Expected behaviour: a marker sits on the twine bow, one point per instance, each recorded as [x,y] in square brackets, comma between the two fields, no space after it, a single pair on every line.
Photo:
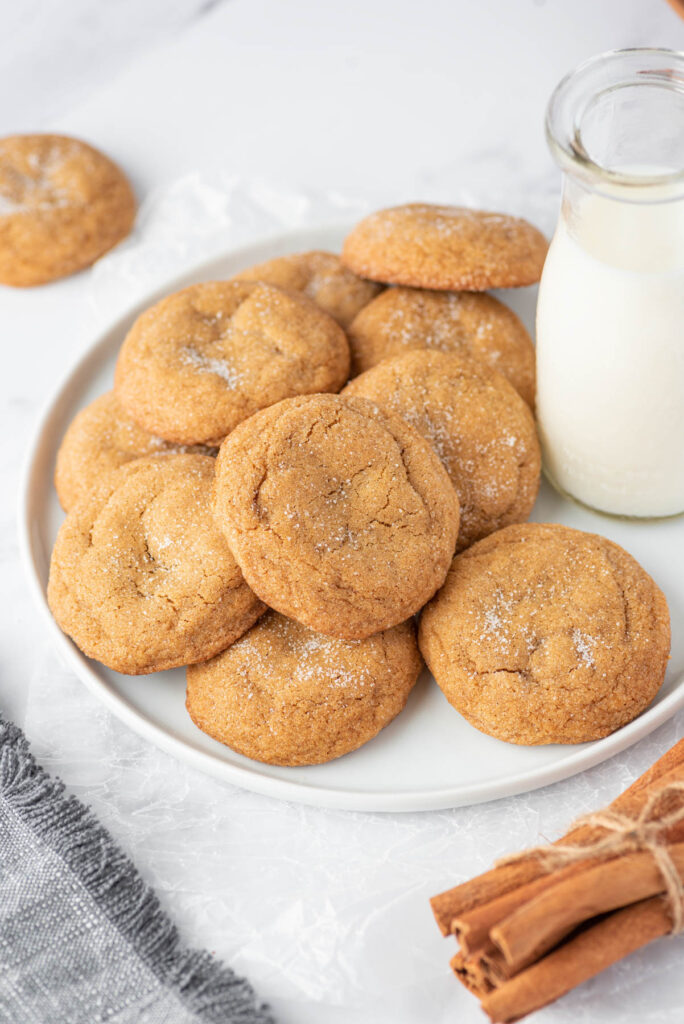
[641,833]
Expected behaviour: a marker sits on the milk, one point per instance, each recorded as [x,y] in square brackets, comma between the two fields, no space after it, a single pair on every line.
[610,353]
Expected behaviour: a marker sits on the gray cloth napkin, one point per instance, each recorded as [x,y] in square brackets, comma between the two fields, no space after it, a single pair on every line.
[83,940]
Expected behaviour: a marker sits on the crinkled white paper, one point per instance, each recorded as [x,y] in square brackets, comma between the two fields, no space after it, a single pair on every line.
[326,911]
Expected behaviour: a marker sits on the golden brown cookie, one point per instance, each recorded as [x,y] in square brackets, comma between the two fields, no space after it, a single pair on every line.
[322,277]
[403,319]
[100,440]
[63,204]
[286,695]
[200,361]
[543,634]
[451,248]
[476,422]
[141,578]
[340,515]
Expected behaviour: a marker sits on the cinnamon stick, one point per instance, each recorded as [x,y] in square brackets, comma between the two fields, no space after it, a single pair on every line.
[472,928]
[539,925]
[578,959]
[470,975]
[483,968]
[493,884]
[492,965]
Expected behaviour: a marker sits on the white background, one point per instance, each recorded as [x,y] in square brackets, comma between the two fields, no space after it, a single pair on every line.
[326,911]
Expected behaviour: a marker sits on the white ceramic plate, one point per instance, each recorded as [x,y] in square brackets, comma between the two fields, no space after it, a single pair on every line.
[429,757]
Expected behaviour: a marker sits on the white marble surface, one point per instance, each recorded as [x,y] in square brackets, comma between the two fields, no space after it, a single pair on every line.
[326,911]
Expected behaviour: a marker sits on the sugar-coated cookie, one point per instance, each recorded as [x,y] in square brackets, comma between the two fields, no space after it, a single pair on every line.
[286,695]
[480,427]
[466,323]
[98,441]
[200,361]
[141,578]
[62,205]
[544,634]
[450,248]
[322,277]
[340,515]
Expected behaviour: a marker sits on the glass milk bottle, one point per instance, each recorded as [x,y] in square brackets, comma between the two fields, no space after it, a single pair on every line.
[610,317]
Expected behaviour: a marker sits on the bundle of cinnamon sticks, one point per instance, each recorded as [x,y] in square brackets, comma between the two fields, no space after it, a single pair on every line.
[542,922]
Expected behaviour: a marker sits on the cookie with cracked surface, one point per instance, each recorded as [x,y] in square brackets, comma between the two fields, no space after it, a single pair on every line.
[340,515]
[469,324]
[477,424]
[98,441]
[63,204]
[141,578]
[449,248]
[202,360]
[544,634]
[285,695]
[322,277]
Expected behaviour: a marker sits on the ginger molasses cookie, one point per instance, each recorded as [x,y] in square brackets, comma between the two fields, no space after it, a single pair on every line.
[340,515]
[469,324]
[141,578]
[286,695]
[62,205]
[476,422]
[200,361]
[99,440]
[451,248]
[322,277]
[543,634]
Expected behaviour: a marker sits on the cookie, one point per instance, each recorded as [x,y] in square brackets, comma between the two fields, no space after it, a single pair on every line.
[476,422]
[322,277]
[403,319]
[450,248]
[100,440]
[543,634]
[141,578]
[340,515]
[286,695]
[63,204]
[200,361]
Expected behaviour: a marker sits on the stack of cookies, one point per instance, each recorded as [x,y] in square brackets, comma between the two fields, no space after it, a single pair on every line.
[239,505]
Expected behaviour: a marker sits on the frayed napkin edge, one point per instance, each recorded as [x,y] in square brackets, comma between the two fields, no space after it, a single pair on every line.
[206,987]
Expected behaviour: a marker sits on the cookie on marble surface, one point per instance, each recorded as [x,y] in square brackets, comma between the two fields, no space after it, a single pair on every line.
[340,515]
[480,427]
[141,578]
[469,324]
[286,695]
[98,441]
[322,277]
[450,248]
[544,634]
[202,360]
[63,204]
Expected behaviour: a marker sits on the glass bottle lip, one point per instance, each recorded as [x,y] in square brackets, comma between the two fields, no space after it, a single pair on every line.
[601,74]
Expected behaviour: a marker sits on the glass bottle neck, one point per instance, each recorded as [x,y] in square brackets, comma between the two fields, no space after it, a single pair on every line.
[617,123]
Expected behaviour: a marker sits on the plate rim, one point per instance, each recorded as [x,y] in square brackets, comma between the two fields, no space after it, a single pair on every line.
[581,757]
